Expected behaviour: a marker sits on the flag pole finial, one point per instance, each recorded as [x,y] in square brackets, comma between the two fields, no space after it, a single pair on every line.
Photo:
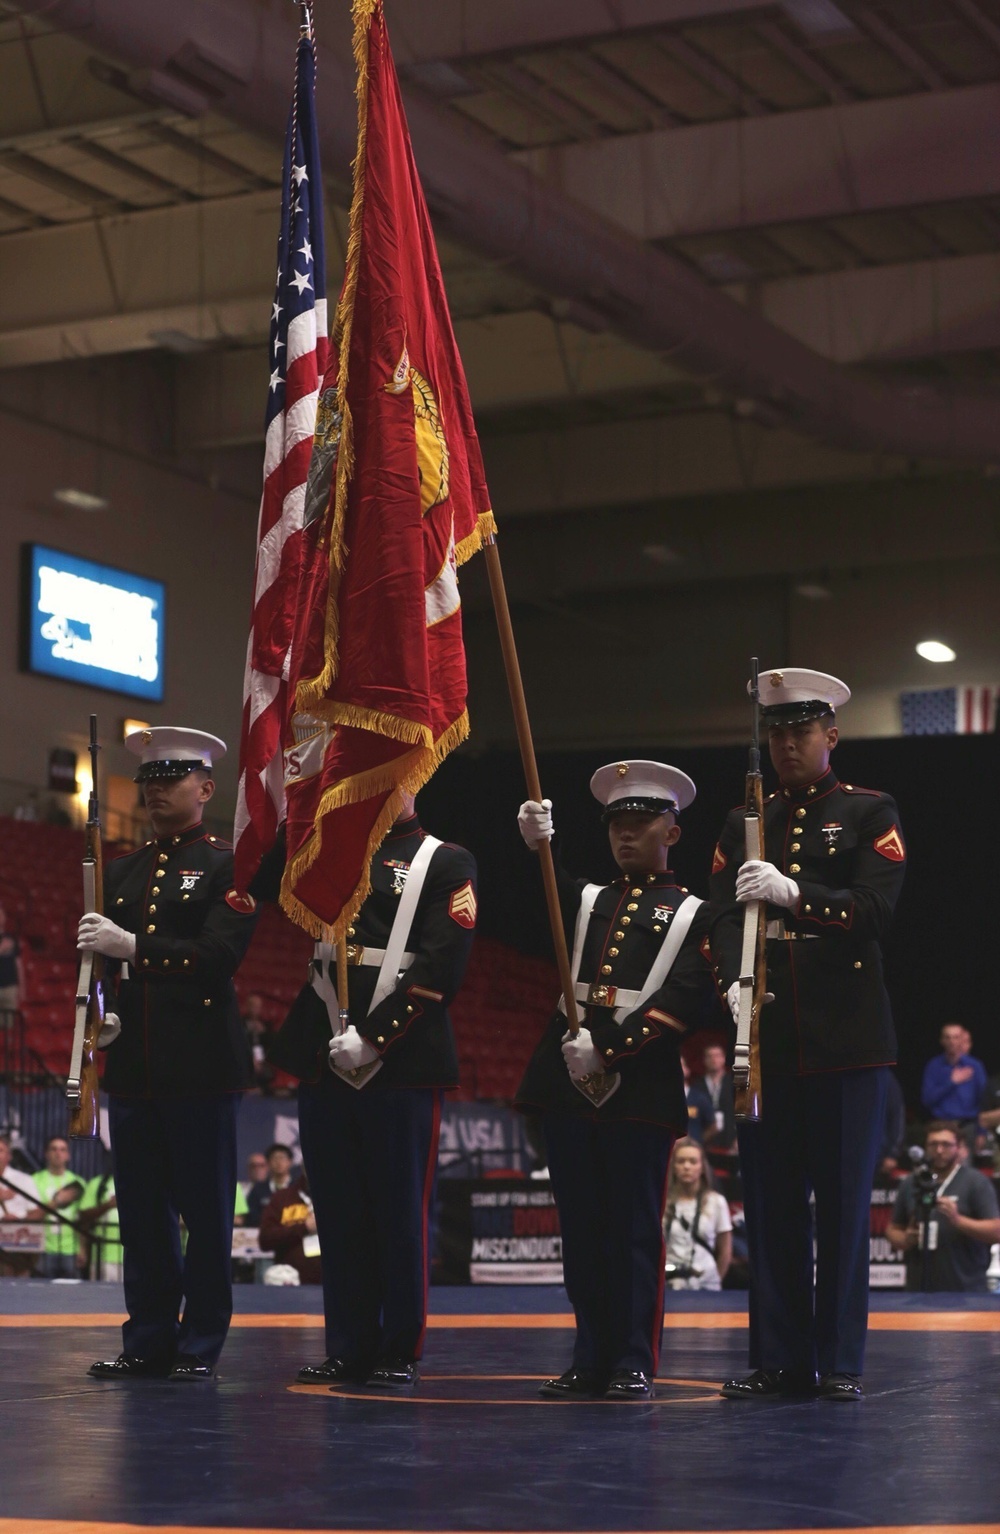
[305,18]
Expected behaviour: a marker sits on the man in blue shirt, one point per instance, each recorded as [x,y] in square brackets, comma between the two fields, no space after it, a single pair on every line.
[954,1080]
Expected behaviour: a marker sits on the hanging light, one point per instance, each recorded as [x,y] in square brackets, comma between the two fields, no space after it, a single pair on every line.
[935,650]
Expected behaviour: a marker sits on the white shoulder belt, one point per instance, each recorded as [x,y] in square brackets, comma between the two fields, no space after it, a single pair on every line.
[393,960]
[625,1001]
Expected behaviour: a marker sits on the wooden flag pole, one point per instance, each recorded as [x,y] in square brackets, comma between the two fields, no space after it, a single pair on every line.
[523,726]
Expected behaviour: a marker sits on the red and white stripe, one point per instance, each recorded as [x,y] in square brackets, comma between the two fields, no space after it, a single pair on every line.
[260,804]
[975,710]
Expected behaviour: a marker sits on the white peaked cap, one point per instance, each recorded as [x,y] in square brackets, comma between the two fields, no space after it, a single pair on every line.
[794,693]
[643,786]
[169,743]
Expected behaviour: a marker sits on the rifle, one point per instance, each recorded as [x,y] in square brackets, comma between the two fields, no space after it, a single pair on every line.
[81,1083]
[753,959]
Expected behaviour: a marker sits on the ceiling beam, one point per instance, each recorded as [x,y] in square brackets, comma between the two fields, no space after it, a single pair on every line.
[559,245]
[822,163]
[813,532]
[452,29]
[206,271]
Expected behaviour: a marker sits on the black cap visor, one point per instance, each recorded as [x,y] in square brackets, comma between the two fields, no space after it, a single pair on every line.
[784,714]
[649,807]
[169,769]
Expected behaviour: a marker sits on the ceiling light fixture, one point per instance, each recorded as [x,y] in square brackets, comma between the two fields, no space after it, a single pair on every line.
[813,591]
[81,500]
[660,553]
[933,649]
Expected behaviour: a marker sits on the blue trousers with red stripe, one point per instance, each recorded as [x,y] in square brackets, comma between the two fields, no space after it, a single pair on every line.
[609,1182]
[816,1134]
[370,1158]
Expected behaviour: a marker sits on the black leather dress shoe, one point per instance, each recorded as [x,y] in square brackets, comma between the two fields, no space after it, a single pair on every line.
[770,1382]
[330,1371]
[574,1385]
[393,1374]
[629,1385]
[126,1367]
[187,1366]
[841,1387]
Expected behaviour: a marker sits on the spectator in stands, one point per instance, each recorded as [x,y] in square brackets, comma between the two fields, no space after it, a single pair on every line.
[101,1255]
[717,1084]
[11,973]
[259,1038]
[256,1171]
[13,1206]
[288,1229]
[954,1080]
[697,1226]
[701,1114]
[59,1189]
[946,1222]
[279,1177]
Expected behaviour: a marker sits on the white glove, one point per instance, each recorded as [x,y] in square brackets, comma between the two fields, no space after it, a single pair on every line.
[534,821]
[348,1050]
[581,1057]
[112,1028]
[99,935]
[733,998]
[762,881]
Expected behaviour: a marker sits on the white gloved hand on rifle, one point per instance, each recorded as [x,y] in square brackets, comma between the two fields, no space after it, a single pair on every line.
[582,1059]
[733,998]
[762,881]
[96,934]
[110,1029]
[534,821]
[349,1051]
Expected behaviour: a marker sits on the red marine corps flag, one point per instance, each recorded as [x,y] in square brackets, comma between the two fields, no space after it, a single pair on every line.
[396,501]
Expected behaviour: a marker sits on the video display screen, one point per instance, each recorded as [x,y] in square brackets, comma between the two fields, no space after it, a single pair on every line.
[89,623]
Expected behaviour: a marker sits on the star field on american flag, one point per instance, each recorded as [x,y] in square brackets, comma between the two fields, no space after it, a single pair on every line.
[949,711]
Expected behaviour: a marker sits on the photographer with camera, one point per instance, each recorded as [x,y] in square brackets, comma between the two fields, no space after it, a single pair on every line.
[945,1218]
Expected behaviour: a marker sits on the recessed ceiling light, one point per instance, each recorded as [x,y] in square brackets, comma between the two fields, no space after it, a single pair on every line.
[933,649]
[660,553]
[818,18]
[81,500]
[814,591]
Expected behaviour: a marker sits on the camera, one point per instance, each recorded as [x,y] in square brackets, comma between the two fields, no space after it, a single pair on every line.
[925,1186]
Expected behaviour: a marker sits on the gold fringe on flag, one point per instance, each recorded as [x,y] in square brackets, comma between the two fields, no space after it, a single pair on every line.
[406,775]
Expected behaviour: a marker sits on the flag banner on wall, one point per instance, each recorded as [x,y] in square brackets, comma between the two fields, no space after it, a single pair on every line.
[299,353]
[396,501]
[949,711]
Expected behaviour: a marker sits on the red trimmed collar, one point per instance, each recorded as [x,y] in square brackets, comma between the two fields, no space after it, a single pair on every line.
[194,833]
[802,793]
[409,827]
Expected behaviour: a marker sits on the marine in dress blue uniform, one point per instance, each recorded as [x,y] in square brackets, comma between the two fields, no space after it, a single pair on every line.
[176,1071]
[834,868]
[608,1154]
[370,1151]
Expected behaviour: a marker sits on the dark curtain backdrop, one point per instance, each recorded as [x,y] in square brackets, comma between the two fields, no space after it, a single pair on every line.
[942,955]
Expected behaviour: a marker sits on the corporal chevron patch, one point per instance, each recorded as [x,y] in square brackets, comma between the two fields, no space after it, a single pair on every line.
[719,860]
[890,845]
[462,905]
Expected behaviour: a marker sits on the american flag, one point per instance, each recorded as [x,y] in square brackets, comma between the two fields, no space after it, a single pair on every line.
[299,350]
[950,711]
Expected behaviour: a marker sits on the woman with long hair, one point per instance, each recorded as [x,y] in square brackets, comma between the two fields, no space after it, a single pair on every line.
[696,1225]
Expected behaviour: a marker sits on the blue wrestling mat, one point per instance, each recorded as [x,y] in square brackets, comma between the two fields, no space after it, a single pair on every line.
[473,1448]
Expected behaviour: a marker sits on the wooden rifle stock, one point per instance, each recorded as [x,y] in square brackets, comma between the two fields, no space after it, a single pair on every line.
[82,1082]
[753,962]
